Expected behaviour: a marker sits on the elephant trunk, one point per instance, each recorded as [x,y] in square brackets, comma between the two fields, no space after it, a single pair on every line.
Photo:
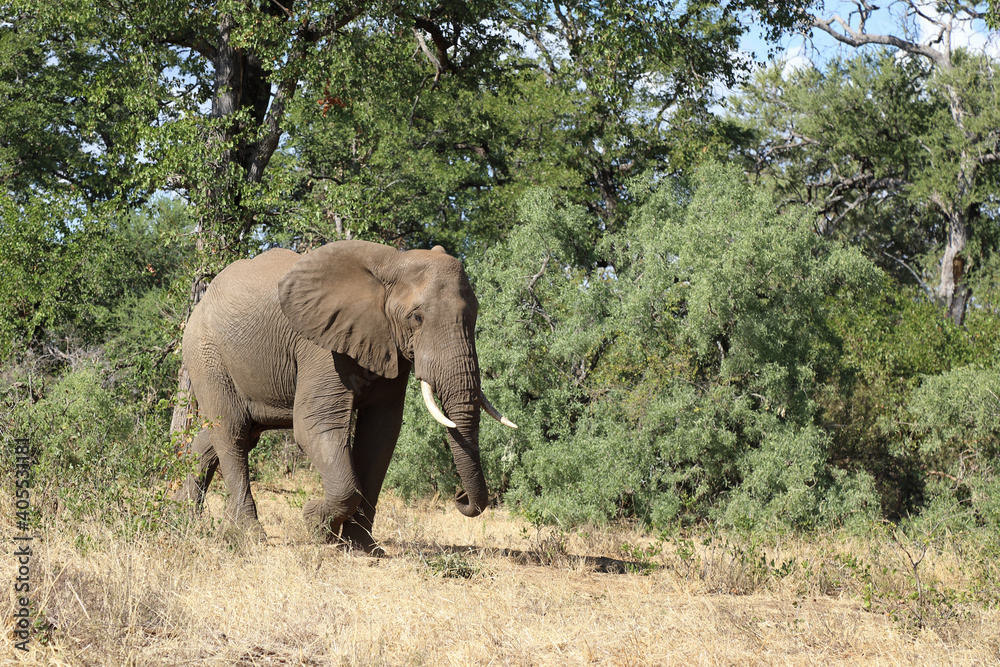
[464,441]
[459,392]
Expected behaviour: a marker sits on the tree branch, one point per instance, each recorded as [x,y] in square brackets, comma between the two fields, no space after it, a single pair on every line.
[314,31]
[928,290]
[430,56]
[266,147]
[441,61]
[858,38]
[188,40]
[536,307]
[989,158]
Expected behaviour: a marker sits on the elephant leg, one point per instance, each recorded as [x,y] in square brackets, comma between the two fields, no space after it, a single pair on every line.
[375,436]
[235,468]
[330,452]
[197,482]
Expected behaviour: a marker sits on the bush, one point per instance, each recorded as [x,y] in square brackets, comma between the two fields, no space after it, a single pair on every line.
[677,380]
[98,453]
[893,346]
[955,418]
[70,275]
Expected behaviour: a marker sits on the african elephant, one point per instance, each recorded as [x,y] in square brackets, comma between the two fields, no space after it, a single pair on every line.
[309,341]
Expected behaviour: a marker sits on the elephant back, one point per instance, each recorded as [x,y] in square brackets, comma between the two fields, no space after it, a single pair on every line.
[237,331]
[246,291]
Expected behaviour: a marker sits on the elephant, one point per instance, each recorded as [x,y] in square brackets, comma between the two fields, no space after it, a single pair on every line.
[323,343]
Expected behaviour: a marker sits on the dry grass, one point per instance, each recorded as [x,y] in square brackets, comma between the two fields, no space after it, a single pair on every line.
[491,590]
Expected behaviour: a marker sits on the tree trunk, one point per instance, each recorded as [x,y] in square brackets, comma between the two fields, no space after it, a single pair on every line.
[240,84]
[953,293]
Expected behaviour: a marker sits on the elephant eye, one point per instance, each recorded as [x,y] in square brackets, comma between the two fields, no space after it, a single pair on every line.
[417,318]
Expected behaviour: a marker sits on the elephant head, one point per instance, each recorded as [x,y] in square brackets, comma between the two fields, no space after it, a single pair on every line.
[381,306]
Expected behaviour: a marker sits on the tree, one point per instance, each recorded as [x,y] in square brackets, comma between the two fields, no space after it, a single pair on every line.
[582,98]
[960,153]
[865,142]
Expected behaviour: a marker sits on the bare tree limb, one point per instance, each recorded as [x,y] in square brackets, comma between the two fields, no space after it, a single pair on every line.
[928,290]
[442,60]
[855,38]
[430,56]
[266,147]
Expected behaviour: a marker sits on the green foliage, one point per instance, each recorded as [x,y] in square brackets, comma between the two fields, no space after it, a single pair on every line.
[872,144]
[76,107]
[880,147]
[88,319]
[68,275]
[677,380]
[961,412]
[992,16]
[577,99]
[403,158]
[892,345]
[956,433]
[98,454]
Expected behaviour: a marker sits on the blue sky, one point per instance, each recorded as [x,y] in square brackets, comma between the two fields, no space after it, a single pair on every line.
[888,20]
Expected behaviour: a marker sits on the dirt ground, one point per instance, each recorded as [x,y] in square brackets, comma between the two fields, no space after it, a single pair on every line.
[456,591]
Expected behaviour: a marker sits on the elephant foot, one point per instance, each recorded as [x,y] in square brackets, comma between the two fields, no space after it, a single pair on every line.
[324,527]
[372,550]
[325,518]
[355,537]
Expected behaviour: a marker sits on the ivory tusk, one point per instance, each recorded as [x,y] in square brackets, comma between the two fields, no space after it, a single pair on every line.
[493,412]
[432,407]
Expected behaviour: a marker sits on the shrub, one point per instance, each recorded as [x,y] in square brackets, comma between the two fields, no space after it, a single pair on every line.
[677,380]
[98,453]
[955,419]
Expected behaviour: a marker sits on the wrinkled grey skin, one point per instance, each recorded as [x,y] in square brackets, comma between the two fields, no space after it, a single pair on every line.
[303,341]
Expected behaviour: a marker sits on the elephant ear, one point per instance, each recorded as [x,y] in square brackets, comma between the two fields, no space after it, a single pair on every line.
[333,298]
